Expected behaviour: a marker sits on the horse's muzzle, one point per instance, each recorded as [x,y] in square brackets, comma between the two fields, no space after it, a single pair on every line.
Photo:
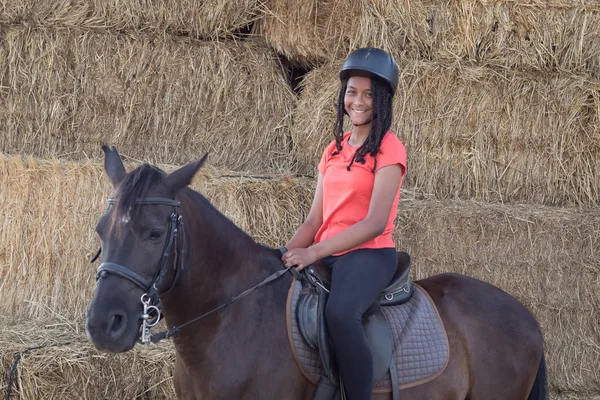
[112,331]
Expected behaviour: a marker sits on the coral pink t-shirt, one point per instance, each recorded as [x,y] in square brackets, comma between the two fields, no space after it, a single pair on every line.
[347,194]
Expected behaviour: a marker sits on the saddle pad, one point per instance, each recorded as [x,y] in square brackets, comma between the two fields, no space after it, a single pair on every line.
[420,341]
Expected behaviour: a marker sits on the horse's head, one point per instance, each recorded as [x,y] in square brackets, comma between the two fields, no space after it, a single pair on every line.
[138,234]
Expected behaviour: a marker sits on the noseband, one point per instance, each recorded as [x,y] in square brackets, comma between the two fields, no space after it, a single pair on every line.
[151,297]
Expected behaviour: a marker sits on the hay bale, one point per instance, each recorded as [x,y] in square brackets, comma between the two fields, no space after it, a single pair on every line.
[477,133]
[547,257]
[67,366]
[196,18]
[538,35]
[47,236]
[70,368]
[50,209]
[573,395]
[77,371]
[158,98]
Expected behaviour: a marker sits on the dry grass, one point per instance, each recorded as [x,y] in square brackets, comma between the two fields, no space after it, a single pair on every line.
[69,367]
[535,35]
[159,98]
[476,132]
[547,257]
[50,209]
[574,396]
[197,18]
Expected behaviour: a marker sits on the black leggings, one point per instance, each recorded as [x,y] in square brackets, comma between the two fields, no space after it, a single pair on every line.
[358,278]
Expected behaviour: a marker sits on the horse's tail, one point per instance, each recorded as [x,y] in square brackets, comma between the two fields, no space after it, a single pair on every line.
[538,392]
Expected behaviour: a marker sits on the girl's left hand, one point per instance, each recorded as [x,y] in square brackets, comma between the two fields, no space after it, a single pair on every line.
[301,257]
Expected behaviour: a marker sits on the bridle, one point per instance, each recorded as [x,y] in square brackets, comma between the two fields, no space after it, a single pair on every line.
[152,312]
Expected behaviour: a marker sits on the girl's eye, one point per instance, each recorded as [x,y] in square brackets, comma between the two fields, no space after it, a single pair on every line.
[155,233]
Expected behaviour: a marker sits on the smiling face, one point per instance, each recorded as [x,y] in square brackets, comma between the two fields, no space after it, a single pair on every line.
[358,100]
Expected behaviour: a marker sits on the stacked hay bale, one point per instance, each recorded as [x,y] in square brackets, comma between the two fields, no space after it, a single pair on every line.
[164,81]
[158,98]
[498,106]
[475,132]
[536,35]
[497,103]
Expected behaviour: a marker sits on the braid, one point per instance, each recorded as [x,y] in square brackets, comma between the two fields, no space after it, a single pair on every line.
[339,123]
[381,121]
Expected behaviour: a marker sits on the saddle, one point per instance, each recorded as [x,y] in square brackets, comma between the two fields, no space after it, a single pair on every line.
[310,315]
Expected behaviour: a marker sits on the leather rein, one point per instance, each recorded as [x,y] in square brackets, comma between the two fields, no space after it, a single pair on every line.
[152,313]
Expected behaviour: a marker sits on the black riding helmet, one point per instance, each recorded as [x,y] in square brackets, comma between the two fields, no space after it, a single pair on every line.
[375,61]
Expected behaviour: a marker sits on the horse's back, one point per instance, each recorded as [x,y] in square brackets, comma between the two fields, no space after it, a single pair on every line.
[474,302]
[500,337]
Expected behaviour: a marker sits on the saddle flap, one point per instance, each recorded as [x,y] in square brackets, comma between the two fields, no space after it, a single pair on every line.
[403,270]
[310,316]
[379,337]
[307,314]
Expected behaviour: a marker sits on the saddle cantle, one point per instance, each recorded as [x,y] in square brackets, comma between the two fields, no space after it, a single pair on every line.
[417,333]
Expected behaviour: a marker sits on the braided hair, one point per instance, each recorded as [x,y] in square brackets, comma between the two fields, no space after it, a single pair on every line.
[381,120]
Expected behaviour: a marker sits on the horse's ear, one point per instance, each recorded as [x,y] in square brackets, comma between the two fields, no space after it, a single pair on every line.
[113,165]
[182,177]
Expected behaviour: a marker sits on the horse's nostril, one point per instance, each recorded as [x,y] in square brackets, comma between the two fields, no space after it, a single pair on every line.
[117,324]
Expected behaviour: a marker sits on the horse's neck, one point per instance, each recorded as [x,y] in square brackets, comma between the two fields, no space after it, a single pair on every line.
[220,262]
[223,262]
[214,241]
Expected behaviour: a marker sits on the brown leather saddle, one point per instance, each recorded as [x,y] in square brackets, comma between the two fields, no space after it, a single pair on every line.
[310,314]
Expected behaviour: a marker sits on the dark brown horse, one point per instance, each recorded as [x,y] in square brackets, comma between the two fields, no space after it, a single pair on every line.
[242,352]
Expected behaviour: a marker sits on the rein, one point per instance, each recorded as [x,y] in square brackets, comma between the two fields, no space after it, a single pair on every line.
[152,314]
[155,338]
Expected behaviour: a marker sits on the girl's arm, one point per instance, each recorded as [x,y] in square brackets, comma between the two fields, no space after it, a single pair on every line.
[305,234]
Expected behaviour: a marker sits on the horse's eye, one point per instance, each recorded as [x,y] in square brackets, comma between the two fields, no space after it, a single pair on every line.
[156,233]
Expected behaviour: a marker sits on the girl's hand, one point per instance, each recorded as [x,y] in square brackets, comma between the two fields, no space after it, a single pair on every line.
[300,257]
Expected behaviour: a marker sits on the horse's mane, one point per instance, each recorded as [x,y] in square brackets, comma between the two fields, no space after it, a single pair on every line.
[210,212]
[134,187]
